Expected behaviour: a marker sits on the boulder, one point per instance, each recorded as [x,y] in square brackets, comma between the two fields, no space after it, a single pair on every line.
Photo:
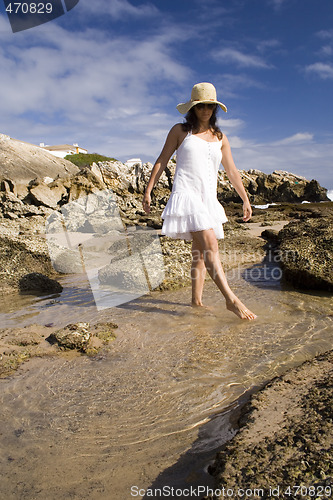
[137,264]
[279,186]
[73,336]
[42,194]
[21,255]
[37,282]
[84,183]
[21,161]
[306,252]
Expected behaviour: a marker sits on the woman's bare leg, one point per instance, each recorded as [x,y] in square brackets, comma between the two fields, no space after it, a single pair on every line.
[198,273]
[206,242]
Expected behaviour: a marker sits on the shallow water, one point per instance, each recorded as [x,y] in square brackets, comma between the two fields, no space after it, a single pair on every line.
[94,427]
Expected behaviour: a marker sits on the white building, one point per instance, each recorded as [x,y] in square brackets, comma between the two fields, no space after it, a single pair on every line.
[63,150]
[133,161]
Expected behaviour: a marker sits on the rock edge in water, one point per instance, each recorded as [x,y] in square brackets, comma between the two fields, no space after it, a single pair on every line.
[306,249]
[18,345]
[285,437]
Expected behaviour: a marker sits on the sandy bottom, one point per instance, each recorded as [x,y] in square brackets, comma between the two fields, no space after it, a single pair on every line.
[256,228]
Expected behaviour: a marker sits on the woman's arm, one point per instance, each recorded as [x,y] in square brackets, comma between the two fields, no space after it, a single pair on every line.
[170,146]
[235,178]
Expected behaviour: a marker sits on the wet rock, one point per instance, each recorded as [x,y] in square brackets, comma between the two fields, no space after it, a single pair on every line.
[73,336]
[270,235]
[21,255]
[37,282]
[306,251]
[84,337]
[285,437]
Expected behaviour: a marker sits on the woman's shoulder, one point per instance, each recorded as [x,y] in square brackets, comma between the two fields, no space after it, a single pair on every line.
[225,140]
[177,128]
[178,133]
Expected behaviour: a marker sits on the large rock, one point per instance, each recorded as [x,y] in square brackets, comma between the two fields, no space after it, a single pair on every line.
[73,336]
[20,161]
[12,207]
[83,183]
[280,186]
[38,282]
[84,337]
[21,255]
[137,264]
[306,252]
[42,194]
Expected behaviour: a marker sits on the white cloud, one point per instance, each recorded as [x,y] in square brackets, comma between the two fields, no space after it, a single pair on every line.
[230,125]
[325,34]
[299,154]
[323,70]
[276,3]
[265,45]
[237,142]
[298,138]
[326,51]
[97,87]
[240,58]
[117,9]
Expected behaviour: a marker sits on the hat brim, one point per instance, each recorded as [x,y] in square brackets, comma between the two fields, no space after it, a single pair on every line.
[184,107]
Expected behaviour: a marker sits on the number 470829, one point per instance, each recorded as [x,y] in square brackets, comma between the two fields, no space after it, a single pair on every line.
[29,8]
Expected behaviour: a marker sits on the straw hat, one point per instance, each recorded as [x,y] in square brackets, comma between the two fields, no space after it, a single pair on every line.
[201,92]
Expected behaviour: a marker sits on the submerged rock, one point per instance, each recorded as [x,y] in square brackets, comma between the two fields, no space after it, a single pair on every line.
[84,337]
[73,336]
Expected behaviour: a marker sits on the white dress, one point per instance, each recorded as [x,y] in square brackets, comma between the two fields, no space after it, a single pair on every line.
[193,204]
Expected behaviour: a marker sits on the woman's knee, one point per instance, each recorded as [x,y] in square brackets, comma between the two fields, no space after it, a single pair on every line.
[206,241]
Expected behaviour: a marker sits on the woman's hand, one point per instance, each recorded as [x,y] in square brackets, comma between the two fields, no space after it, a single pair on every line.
[247,211]
[146,202]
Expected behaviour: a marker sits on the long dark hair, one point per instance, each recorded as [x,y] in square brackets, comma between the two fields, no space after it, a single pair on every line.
[192,123]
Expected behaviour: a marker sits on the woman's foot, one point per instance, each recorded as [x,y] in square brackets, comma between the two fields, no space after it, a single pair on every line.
[199,304]
[236,306]
[196,303]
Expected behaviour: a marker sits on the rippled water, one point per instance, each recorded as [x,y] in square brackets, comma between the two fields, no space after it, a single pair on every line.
[142,414]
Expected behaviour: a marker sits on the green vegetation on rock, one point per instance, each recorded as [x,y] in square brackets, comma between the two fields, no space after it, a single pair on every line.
[85,160]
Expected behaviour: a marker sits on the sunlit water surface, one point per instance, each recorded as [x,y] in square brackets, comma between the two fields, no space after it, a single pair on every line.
[90,428]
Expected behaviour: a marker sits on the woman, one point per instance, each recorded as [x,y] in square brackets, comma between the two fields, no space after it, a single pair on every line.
[193,211]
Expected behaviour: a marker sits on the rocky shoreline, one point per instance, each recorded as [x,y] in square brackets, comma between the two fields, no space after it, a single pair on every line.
[29,207]
[285,428]
[284,445]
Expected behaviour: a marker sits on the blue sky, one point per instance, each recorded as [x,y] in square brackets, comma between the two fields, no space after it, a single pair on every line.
[109,74]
